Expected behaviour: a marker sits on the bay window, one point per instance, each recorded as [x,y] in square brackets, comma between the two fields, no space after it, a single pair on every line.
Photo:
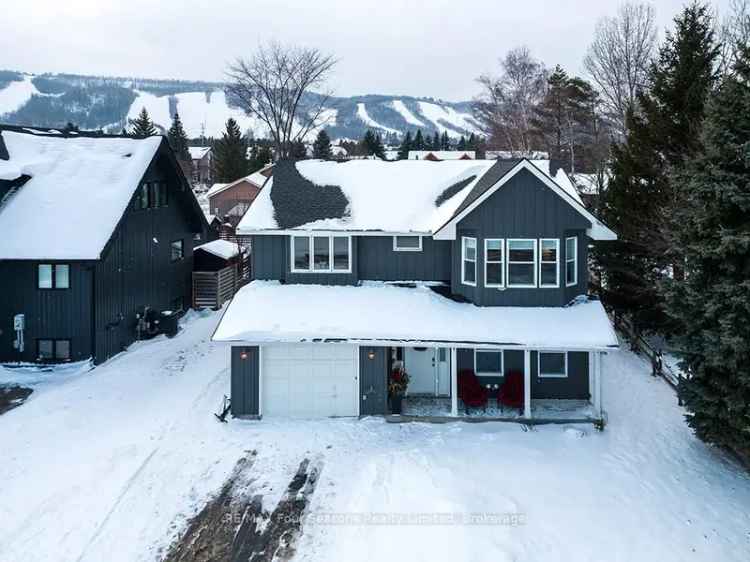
[321,254]
[522,263]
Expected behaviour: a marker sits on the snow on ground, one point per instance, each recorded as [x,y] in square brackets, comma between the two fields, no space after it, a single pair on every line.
[408,116]
[16,94]
[370,122]
[442,115]
[108,465]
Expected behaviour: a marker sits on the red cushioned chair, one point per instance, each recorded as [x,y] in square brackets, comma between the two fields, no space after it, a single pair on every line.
[470,390]
[511,391]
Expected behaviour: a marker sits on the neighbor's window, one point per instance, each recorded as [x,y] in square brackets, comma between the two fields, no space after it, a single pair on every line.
[553,364]
[469,260]
[53,350]
[488,363]
[176,249]
[521,263]
[571,261]
[53,276]
[407,243]
[549,266]
[330,254]
[493,262]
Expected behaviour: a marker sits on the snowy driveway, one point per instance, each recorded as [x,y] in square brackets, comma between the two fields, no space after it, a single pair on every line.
[111,464]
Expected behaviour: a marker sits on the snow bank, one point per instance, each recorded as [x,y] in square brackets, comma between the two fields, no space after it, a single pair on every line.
[266,311]
[79,189]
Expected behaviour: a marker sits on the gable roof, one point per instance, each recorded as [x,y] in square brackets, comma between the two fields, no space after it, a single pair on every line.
[500,176]
[79,187]
[258,179]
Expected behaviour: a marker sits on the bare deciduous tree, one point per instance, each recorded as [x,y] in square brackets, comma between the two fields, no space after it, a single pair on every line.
[276,85]
[734,34]
[505,107]
[619,56]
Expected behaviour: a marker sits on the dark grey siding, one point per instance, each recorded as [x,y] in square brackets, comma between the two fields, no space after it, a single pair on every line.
[373,375]
[522,208]
[136,269]
[575,386]
[245,385]
[378,261]
[50,313]
[270,261]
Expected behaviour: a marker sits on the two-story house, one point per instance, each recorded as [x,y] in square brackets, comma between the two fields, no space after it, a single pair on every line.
[93,228]
[452,271]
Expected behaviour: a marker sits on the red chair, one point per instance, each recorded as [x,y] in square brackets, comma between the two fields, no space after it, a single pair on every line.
[511,391]
[470,390]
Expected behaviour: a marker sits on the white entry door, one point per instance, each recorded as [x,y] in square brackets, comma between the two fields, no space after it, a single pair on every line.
[429,370]
[310,380]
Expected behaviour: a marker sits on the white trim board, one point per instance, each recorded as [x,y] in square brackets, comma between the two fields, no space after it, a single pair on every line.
[598,230]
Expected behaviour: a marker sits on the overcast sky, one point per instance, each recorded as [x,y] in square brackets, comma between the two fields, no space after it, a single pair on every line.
[422,48]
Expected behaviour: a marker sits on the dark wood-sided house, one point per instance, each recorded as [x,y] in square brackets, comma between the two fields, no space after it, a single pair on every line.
[93,228]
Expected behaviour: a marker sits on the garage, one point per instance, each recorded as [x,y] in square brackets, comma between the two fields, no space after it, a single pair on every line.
[309,380]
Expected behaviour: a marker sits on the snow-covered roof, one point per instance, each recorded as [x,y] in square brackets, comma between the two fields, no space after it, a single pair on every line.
[256,178]
[198,152]
[220,248]
[561,178]
[376,195]
[267,311]
[506,154]
[79,189]
[442,154]
[590,184]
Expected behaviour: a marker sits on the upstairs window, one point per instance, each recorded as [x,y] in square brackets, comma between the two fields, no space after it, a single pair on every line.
[571,261]
[407,243]
[176,250]
[522,263]
[468,261]
[493,262]
[321,254]
[549,262]
[151,195]
[53,276]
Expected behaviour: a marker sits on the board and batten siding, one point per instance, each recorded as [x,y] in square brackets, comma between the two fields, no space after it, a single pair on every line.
[522,208]
[49,313]
[245,381]
[373,380]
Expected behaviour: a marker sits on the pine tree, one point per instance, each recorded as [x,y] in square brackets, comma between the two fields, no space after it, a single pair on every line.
[142,126]
[461,143]
[445,141]
[178,139]
[372,145]
[472,143]
[322,146]
[298,151]
[230,154]
[711,306]
[436,144]
[640,201]
[418,141]
[406,143]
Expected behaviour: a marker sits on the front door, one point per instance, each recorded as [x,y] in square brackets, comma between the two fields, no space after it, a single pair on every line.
[428,369]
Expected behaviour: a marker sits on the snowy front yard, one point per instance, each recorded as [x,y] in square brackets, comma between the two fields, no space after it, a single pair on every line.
[111,464]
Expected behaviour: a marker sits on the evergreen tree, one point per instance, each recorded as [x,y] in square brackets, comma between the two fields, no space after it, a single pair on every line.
[403,150]
[472,144]
[298,151]
[142,126]
[711,306]
[260,155]
[230,154]
[178,139]
[372,145]
[445,141]
[322,146]
[418,141]
[461,143]
[640,201]
[436,144]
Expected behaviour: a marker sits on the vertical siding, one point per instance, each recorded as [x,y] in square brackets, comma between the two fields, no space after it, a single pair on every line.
[522,208]
[373,375]
[379,262]
[50,313]
[245,383]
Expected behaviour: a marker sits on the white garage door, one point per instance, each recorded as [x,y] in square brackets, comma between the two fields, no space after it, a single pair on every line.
[310,381]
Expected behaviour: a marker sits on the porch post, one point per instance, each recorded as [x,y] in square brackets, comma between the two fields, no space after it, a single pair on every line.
[598,383]
[526,383]
[454,381]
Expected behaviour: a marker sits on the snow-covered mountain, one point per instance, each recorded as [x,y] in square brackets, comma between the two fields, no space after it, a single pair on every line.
[94,102]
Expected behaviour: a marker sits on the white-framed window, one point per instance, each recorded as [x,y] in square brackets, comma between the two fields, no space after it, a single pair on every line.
[552,364]
[488,363]
[469,261]
[321,254]
[549,262]
[521,260]
[494,262]
[407,243]
[571,261]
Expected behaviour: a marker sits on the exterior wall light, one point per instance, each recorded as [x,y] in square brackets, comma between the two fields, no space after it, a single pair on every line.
[243,354]
[371,354]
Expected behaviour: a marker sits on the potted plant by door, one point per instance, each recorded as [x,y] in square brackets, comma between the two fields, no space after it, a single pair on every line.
[397,383]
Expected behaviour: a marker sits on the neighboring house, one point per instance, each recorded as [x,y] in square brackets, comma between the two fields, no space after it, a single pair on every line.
[507,154]
[590,187]
[92,229]
[229,201]
[440,155]
[449,270]
[201,164]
